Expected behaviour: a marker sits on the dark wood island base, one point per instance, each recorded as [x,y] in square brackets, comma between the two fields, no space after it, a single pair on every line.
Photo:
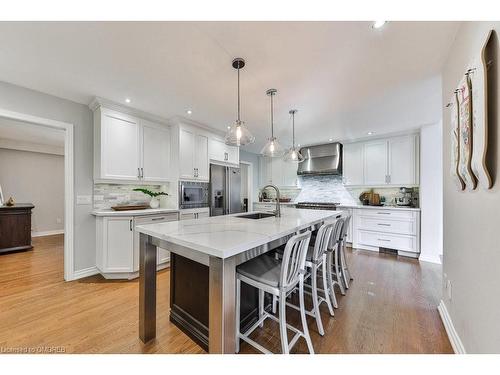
[189,299]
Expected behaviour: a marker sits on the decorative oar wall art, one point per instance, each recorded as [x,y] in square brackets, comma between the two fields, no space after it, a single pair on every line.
[469,125]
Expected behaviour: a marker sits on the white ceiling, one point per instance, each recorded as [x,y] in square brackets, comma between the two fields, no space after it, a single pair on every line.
[29,133]
[345,78]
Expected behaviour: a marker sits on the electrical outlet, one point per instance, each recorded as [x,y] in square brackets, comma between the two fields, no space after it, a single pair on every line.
[448,289]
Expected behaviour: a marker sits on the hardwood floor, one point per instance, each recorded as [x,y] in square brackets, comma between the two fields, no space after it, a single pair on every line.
[390,308]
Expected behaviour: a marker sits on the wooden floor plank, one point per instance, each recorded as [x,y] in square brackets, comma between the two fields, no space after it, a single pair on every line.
[390,308]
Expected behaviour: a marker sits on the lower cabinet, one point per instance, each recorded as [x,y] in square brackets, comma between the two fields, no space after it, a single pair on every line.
[194,213]
[395,229]
[117,247]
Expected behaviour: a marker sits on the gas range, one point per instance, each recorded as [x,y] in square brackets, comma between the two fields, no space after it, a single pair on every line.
[317,205]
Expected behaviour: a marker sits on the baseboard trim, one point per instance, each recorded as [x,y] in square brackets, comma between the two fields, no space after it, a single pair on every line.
[47,233]
[429,259]
[86,272]
[455,341]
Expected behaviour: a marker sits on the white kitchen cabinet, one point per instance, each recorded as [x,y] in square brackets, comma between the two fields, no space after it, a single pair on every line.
[402,167]
[117,244]
[375,163]
[156,152]
[392,228]
[129,148]
[117,149]
[193,154]
[390,161]
[353,164]
[219,152]
[194,213]
[278,172]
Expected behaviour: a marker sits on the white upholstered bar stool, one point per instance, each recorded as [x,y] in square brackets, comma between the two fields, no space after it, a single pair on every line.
[277,278]
[316,265]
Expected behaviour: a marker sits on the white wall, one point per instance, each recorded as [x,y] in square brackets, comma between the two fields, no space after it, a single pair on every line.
[19,99]
[37,178]
[471,226]
[431,193]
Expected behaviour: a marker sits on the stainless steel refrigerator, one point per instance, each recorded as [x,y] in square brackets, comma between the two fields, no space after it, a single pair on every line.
[225,190]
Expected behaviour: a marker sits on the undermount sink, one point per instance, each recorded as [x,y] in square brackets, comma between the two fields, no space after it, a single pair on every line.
[256,215]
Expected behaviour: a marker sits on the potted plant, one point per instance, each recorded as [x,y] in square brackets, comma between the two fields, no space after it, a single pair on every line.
[155,202]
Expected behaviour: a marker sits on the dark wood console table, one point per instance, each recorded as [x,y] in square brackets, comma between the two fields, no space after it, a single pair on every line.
[15,227]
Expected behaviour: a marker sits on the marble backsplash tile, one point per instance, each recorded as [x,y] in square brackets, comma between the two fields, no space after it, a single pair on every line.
[108,195]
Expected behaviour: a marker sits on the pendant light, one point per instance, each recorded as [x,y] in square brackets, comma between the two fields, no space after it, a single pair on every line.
[238,134]
[272,148]
[293,154]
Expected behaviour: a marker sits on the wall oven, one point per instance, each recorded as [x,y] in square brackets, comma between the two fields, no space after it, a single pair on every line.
[193,194]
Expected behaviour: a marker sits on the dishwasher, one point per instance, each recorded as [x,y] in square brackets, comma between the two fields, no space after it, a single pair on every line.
[162,255]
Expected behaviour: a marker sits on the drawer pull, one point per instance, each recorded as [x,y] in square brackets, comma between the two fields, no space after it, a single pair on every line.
[383,213]
[383,239]
[384,225]
[157,218]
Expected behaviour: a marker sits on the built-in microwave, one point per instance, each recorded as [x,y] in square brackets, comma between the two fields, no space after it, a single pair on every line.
[193,194]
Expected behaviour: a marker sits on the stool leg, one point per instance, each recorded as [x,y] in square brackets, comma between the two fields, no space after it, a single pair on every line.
[343,265]
[238,298]
[329,278]
[275,301]
[282,320]
[314,281]
[338,272]
[261,306]
[325,287]
[303,316]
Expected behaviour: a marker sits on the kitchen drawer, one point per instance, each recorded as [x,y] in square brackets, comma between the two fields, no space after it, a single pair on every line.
[390,241]
[388,225]
[159,218]
[388,213]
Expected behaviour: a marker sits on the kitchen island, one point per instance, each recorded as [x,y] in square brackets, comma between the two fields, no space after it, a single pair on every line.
[204,257]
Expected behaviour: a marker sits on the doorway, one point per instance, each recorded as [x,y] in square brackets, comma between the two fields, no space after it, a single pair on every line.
[20,123]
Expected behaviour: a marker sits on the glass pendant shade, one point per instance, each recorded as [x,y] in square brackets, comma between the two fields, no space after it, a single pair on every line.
[272,148]
[293,155]
[238,134]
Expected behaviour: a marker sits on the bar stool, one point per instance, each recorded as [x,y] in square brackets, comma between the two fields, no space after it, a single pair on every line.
[333,261]
[315,262]
[346,274]
[277,278]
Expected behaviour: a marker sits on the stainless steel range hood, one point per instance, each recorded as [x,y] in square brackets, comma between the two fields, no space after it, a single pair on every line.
[321,160]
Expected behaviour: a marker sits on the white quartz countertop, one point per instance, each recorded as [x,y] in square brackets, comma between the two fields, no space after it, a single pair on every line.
[148,211]
[388,207]
[281,203]
[228,235]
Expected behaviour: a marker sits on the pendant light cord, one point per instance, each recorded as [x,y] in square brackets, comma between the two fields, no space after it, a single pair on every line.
[239,121]
[272,117]
[293,129]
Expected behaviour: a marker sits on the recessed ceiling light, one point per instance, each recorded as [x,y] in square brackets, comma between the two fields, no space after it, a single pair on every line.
[127,100]
[298,145]
[370,133]
[378,24]
[331,139]
[229,127]
[189,112]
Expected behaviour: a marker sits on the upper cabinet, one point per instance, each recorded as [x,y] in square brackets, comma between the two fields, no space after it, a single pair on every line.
[221,153]
[278,172]
[352,164]
[390,161]
[193,153]
[127,148]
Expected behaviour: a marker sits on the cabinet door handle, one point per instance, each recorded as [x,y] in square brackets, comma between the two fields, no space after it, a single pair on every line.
[130,225]
[383,213]
[382,239]
[157,218]
[142,172]
[138,173]
[384,225]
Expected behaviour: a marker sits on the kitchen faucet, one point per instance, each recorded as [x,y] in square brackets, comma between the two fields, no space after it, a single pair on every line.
[277,212]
